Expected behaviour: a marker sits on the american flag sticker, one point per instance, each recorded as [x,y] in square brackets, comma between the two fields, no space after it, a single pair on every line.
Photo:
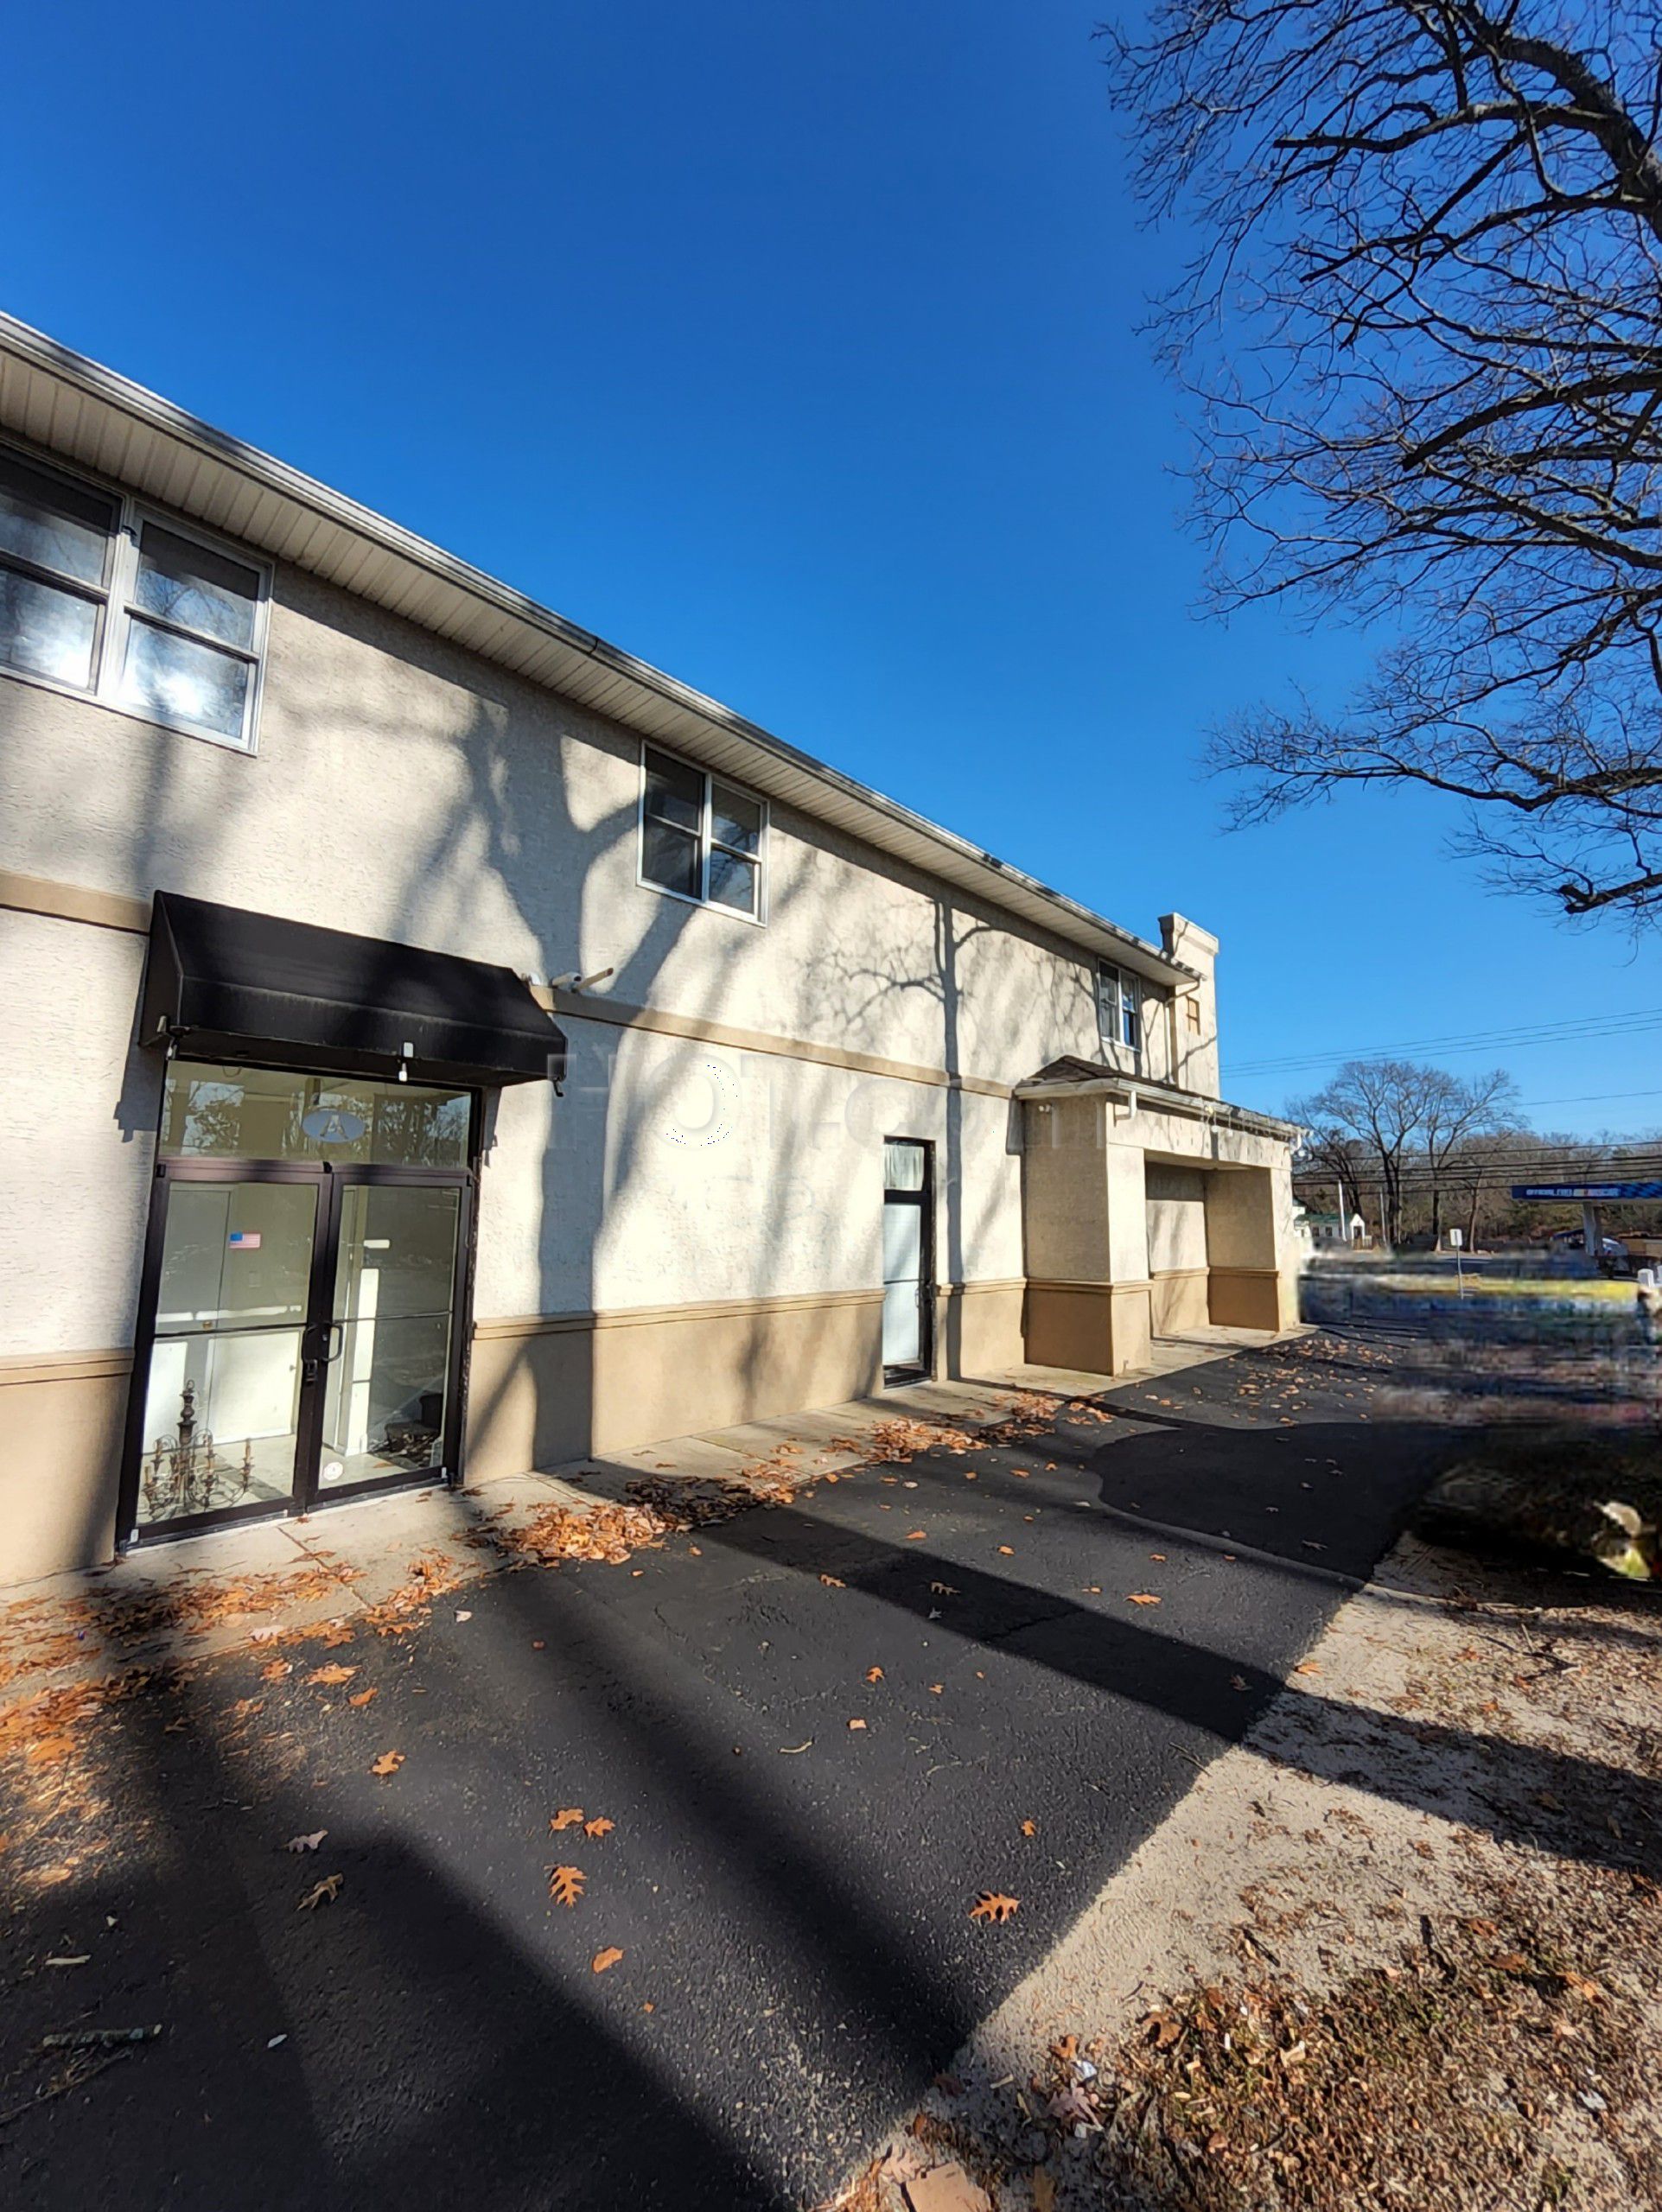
[244,1240]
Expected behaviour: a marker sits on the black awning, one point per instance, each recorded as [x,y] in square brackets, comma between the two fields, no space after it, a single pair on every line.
[226,985]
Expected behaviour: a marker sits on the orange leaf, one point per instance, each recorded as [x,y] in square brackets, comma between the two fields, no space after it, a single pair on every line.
[993,1904]
[275,1669]
[916,1535]
[570,1817]
[388,1763]
[565,1884]
[874,1674]
[599,1826]
[1007,1551]
[362,1697]
[833,1582]
[936,1688]
[331,1674]
[1143,1598]
[608,1957]
[1029,1827]
[857,1724]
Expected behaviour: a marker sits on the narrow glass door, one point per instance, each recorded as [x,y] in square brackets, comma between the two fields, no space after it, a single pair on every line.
[908,1271]
[387,1403]
[222,1404]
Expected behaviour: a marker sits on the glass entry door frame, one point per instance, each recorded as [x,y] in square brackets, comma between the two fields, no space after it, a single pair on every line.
[323,1335]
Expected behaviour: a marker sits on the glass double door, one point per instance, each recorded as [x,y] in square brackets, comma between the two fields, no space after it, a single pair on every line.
[297,1340]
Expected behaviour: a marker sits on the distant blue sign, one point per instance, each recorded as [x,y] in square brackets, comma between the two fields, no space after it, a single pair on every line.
[1590,1194]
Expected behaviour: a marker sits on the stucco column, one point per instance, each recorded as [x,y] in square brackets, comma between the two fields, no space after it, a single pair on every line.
[1086,1226]
[1252,1251]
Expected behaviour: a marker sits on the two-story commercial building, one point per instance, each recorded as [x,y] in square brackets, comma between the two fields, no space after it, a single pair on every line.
[438,1045]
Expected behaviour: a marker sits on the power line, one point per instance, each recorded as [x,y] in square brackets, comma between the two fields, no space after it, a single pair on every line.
[1639,1022]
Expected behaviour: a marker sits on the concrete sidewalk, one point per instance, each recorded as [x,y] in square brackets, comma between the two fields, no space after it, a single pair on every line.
[212,1594]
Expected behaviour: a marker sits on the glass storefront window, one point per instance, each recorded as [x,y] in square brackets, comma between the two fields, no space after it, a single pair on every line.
[229,1113]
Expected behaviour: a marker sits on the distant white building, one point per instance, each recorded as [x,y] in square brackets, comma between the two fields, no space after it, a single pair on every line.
[439,1044]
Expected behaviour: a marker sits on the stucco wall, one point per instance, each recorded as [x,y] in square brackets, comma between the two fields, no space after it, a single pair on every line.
[405,790]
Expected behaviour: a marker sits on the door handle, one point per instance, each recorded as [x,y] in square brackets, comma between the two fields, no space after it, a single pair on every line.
[313,1362]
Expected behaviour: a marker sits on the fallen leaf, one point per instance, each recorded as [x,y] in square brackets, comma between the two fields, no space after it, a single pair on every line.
[388,1763]
[1158,1557]
[874,1674]
[993,1904]
[1143,1597]
[275,1669]
[1007,1551]
[1510,1962]
[362,1697]
[916,1535]
[330,1675]
[943,1590]
[1307,1666]
[462,1614]
[1217,2144]
[565,1884]
[937,1688]
[306,1842]
[1163,2030]
[1072,2106]
[599,1826]
[857,1724]
[323,1892]
[569,1816]
[1295,2054]
[1043,2186]
[1029,1827]
[833,1582]
[603,1960]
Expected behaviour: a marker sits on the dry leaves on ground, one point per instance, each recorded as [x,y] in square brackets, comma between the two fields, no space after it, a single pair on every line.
[569,1816]
[994,1904]
[323,1892]
[565,1883]
[604,1960]
[1143,1597]
[306,1842]
[328,1677]
[388,1763]
[362,1697]
[599,1826]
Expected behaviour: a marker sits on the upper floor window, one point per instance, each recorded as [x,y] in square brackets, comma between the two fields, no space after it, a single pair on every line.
[99,597]
[699,837]
[1119,1007]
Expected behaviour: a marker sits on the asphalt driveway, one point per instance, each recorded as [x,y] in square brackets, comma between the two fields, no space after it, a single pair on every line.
[790,1893]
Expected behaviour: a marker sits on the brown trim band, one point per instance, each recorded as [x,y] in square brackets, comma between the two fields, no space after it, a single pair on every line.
[71,902]
[110,909]
[618,1013]
[63,1366]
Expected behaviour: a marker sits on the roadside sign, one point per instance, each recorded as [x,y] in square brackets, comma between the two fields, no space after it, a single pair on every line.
[1590,1194]
[1457,1238]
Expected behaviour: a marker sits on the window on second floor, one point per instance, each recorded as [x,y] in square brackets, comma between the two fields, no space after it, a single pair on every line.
[99,597]
[700,838]
[1119,1007]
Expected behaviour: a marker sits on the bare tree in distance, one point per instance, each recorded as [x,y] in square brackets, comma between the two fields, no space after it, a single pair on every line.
[1422,329]
[1408,1122]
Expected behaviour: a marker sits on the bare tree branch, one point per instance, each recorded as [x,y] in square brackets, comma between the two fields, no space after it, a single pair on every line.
[1423,342]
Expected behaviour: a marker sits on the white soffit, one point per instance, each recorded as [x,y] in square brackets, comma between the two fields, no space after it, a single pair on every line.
[63,401]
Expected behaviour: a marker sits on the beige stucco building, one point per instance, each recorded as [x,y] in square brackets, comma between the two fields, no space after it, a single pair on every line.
[440,1045]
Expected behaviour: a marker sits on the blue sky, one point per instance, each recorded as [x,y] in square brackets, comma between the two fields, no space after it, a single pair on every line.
[795,347]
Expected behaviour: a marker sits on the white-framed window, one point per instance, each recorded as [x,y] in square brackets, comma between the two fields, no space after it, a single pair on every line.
[700,838]
[103,597]
[1119,1007]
